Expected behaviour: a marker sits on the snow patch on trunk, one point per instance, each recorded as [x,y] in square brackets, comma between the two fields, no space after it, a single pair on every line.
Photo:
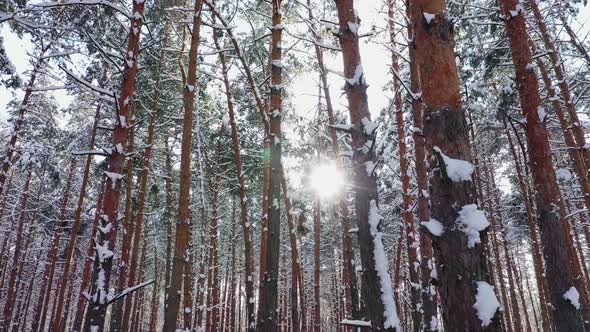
[391,319]
[573,297]
[486,303]
[457,170]
[471,221]
[434,227]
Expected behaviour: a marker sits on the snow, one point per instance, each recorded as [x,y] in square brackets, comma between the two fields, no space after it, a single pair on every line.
[563,174]
[353,27]
[357,78]
[114,177]
[486,303]
[370,167]
[471,221]
[368,126]
[541,113]
[381,264]
[457,170]
[355,322]
[433,323]
[573,297]
[103,252]
[518,9]
[277,63]
[434,227]
[428,17]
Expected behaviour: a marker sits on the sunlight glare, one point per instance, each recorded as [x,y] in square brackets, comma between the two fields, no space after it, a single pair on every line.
[326,179]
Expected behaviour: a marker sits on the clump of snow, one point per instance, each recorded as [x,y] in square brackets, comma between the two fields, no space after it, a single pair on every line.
[391,319]
[563,174]
[471,221]
[353,27]
[357,78]
[486,303]
[573,297]
[457,170]
[433,323]
[428,17]
[369,126]
[434,227]
[355,322]
[518,9]
[541,113]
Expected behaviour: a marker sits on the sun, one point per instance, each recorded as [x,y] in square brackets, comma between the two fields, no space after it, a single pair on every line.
[326,179]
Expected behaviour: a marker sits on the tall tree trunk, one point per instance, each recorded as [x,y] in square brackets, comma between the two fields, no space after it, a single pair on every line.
[317,216]
[143,182]
[106,236]
[10,296]
[348,270]
[56,325]
[461,264]
[128,227]
[247,232]
[573,37]
[50,264]
[496,249]
[542,284]
[81,304]
[269,321]
[297,289]
[17,125]
[427,266]
[213,282]
[377,290]
[183,224]
[564,88]
[155,294]
[418,322]
[559,273]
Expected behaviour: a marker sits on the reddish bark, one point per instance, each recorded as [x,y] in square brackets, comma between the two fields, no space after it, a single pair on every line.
[56,325]
[542,284]
[50,264]
[297,289]
[269,300]
[418,320]
[106,236]
[213,275]
[17,125]
[351,306]
[496,249]
[10,295]
[553,235]
[128,227]
[243,199]
[365,186]
[143,182]
[427,265]
[564,89]
[81,304]
[183,225]
[458,266]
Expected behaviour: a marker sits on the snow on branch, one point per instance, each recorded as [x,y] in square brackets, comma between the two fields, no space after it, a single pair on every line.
[110,4]
[355,323]
[129,290]
[88,85]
